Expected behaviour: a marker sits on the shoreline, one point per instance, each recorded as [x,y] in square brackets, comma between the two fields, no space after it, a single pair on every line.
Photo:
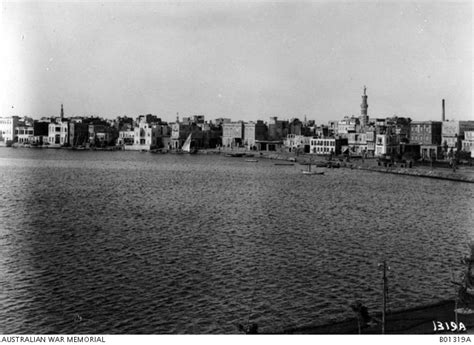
[416,320]
[463,174]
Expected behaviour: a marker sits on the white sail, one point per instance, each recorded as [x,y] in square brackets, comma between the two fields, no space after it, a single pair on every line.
[187,144]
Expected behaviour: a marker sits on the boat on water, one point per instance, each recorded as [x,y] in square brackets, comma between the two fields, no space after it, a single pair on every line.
[187,146]
[235,154]
[252,160]
[311,172]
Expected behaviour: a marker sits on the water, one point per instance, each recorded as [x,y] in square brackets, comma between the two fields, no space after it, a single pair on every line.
[131,242]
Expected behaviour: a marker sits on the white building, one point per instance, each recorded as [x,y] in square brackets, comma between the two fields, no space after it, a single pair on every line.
[385,144]
[322,146]
[468,142]
[7,129]
[296,142]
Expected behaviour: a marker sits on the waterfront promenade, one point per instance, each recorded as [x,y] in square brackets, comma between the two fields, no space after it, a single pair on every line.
[463,173]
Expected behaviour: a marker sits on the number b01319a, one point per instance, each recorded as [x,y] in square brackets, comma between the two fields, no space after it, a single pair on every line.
[452,326]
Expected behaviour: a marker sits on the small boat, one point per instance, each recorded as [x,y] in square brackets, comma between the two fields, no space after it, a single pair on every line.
[312,172]
[187,146]
[251,160]
[284,163]
[235,154]
[306,172]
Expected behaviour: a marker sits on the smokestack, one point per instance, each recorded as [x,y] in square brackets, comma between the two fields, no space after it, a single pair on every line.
[443,119]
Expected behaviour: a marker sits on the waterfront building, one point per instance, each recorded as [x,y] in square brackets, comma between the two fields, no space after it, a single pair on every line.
[179,134]
[126,137]
[7,129]
[370,136]
[357,142]
[40,132]
[386,144]
[64,134]
[254,131]
[277,129]
[101,134]
[327,146]
[428,135]
[233,134]
[296,127]
[78,133]
[468,142]
[297,143]
[24,134]
[146,135]
[54,134]
[452,134]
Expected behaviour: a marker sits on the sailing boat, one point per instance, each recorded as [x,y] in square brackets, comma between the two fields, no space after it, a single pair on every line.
[311,172]
[187,145]
[465,288]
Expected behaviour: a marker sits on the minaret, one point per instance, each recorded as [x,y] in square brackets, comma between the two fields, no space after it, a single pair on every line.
[62,112]
[364,118]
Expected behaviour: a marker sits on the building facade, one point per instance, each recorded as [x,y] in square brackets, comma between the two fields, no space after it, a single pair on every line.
[233,134]
[7,129]
[254,131]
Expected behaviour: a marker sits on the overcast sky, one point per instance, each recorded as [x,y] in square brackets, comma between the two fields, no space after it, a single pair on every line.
[243,60]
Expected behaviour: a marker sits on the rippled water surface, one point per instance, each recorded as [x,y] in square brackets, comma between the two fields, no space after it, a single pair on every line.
[141,243]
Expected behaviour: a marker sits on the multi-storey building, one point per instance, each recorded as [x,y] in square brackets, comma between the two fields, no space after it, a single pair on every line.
[357,142]
[24,134]
[347,125]
[452,133]
[327,146]
[233,134]
[254,131]
[386,144]
[297,143]
[428,135]
[7,129]
[468,142]
[277,129]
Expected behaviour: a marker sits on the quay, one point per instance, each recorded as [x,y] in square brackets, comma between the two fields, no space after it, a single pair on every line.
[462,173]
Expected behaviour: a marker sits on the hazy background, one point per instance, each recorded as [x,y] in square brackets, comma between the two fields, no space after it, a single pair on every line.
[243,60]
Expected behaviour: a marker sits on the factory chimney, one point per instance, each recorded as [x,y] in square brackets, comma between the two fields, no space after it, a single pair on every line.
[443,119]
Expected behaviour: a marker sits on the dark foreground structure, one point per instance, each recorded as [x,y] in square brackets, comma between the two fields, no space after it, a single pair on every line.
[420,320]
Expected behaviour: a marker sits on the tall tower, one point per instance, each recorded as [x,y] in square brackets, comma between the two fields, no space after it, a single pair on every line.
[364,118]
[62,112]
[443,118]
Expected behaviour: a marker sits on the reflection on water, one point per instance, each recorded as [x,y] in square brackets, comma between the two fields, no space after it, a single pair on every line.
[143,243]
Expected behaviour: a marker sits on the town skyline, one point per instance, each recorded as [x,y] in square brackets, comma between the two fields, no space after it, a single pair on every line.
[243,61]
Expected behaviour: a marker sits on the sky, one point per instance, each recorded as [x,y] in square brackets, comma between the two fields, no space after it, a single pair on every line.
[236,59]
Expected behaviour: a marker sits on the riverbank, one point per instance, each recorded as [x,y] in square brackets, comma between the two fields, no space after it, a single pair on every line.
[462,173]
[417,320]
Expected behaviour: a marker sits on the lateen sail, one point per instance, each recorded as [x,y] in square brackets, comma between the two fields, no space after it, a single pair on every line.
[187,144]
